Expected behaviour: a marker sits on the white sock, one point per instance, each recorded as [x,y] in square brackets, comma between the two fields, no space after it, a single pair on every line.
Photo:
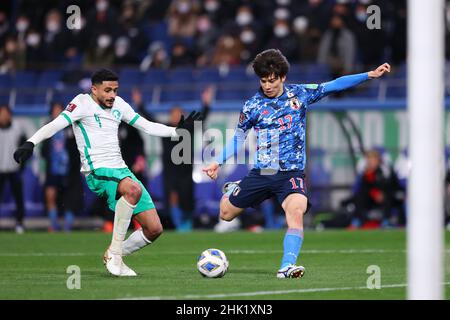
[135,241]
[122,219]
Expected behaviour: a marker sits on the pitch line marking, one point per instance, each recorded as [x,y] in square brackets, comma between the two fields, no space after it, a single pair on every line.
[261,293]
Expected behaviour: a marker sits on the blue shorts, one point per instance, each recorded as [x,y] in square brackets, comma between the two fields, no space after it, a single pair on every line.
[255,187]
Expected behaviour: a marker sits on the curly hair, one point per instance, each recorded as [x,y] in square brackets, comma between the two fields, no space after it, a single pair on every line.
[270,62]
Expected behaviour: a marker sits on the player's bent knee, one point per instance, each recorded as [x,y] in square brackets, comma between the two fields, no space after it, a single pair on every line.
[153,232]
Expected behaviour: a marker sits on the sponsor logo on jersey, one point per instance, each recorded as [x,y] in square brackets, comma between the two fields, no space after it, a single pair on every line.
[70,107]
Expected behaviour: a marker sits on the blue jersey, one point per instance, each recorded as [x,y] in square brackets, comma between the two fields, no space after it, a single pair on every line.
[280,123]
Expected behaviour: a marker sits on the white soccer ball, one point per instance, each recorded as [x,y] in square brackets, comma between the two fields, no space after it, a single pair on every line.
[212,263]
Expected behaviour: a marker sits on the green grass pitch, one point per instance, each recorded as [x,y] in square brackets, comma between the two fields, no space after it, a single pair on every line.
[34,266]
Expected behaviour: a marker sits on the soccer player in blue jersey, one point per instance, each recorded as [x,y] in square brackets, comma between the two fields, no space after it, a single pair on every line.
[277,112]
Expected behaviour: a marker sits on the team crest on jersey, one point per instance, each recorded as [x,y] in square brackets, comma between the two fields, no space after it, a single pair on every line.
[70,107]
[295,103]
[117,114]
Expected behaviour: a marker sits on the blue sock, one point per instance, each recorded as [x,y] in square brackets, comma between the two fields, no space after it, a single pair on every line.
[53,216]
[177,216]
[291,246]
[68,220]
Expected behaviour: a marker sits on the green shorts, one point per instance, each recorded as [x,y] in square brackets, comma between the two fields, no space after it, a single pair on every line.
[104,182]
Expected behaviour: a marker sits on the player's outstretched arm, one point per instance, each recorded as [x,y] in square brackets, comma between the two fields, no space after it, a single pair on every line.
[161,130]
[25,151]
[346,82]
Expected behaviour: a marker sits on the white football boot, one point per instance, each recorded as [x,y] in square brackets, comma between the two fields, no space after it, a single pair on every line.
[291,271]
[114,264]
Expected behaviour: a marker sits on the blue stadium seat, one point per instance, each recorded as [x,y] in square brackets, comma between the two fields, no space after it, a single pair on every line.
[178,94]
[154,77]
[230,91]
[367,90]
[129,77]
[208,76]
[235,74]
[181,76]
[49,78]
[396,88]
[25,79]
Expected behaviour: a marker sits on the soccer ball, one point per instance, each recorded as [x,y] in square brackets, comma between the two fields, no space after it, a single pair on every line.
[212,263]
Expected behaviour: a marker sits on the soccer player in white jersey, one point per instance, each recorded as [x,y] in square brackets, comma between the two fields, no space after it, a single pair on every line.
[95,120]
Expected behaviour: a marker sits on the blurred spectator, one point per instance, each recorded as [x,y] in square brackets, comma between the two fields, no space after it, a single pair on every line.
[54,40]
[34,51]
[399,34]
[133,43]
[4,26]
[285,40]
[178,183]
[63,186]
[133,27]
[100,53]
[206,36]
[12,57]
[377,188]
[22,25]
[308,39]
[182,19]
[228,51]
[157,57]
[338,48]
[12,135]
[181,56]
[371,43]
[103,18]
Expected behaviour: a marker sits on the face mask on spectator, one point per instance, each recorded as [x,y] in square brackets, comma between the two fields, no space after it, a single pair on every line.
[361,15]
[121,49]
[33,39]
[22,25]
[183,7]
[300,24]
[281,31]
[52,26]
[103,41]
[102,6]
[203,24]
[247,36]
[244,18]
[281,14]
[212,6]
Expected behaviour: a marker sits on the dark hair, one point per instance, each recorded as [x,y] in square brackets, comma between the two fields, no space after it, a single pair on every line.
[103,75]
[269,62]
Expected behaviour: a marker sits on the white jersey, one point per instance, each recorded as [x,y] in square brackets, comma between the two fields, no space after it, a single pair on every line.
[96,131]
